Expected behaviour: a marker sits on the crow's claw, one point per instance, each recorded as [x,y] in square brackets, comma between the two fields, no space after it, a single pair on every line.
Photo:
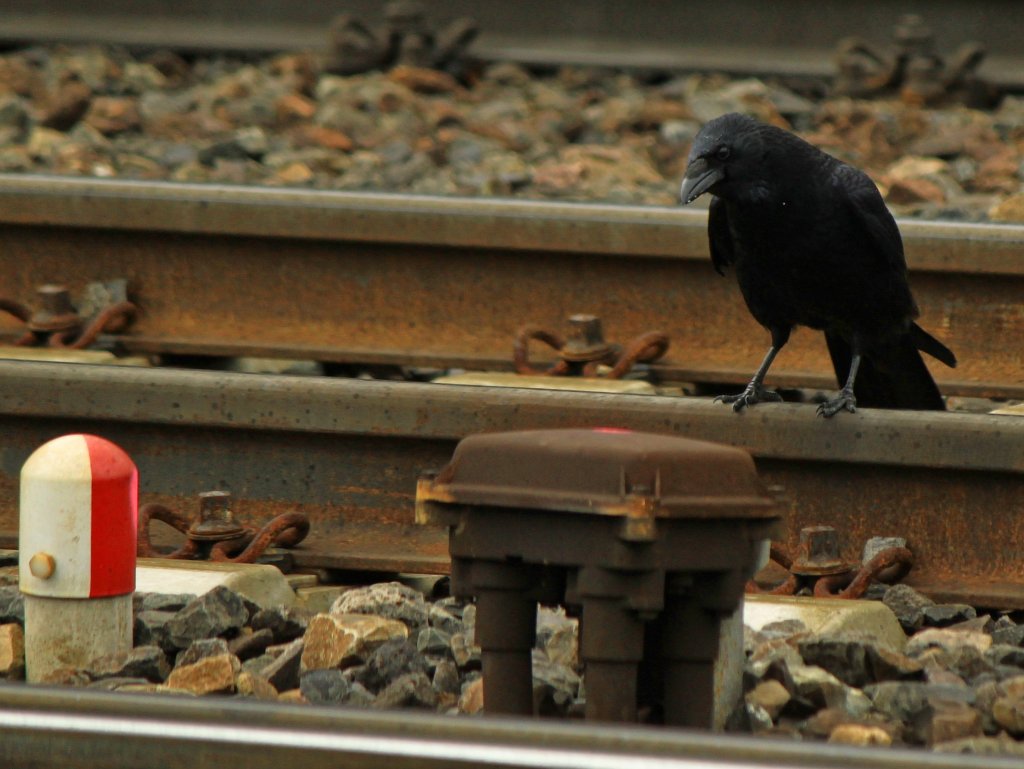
[845,400]
[749,397]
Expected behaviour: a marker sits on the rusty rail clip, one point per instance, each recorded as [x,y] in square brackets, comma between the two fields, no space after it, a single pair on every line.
[585,350]
[912,68]
[216,535]
[404,39]
[58,324]
[819,567]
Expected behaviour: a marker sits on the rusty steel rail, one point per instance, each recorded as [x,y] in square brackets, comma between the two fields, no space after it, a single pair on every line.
[347,453]
[759,38]
[412,280]
[49,728]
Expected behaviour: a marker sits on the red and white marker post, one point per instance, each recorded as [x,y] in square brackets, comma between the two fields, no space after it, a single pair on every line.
[76,543]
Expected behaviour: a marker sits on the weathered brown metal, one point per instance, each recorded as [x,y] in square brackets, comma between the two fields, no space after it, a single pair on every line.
[416,280]
[820,567]
[760,38]
[912,68]
[584,349]
[58,324]
[216,535]
[405,38]
[348,453]
[896,562]
[653,536]
[818,553]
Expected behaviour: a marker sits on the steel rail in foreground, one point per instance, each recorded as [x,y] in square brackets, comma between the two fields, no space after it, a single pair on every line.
[348,453]
[413,280]
[44,727]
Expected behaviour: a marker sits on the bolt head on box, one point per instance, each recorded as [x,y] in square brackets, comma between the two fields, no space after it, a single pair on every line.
[78,513]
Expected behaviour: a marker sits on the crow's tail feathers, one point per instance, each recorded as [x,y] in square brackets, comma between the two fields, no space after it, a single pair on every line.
[894,377]
[925,342]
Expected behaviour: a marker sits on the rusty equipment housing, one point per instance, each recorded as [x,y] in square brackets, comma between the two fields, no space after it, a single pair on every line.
[652,536]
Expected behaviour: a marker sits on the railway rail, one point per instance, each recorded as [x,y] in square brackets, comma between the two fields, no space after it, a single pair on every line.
[46,728]
[756,39]
[400,281]
[348,453]
[446,282]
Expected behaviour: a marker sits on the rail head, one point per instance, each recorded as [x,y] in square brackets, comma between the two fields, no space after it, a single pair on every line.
[497,223]
[975,442]
[45,727]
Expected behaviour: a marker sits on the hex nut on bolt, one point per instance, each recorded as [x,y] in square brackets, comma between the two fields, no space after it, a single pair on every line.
[42,565]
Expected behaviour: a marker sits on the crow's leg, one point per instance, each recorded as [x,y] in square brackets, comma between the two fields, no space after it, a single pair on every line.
[755,392]
[846,399]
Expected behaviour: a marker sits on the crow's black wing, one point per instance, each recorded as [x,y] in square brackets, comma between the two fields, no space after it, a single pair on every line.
[866,207]
[719,237]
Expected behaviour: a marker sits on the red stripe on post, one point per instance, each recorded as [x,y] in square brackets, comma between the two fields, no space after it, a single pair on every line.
[115,515]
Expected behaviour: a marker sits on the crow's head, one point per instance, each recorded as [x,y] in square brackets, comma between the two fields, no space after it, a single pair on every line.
[725,156]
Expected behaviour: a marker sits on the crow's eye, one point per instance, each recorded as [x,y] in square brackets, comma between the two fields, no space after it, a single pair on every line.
[722,153]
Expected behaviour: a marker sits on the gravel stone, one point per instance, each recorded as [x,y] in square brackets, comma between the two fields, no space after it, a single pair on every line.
[433,641]
[388,662]
[324,686]
[908,605]
[283,671]
[165,602]
[285,623]
[218,612]
[151,628]
[769,695]
[209,675]
[465,654]
[944,615]
[250,644]
[859,734]
[197,650]
[391,600]
[444,620]
[146,662]
[409,690]
[342,640]
[446,677]
[12,605]
[555,686]
[12,652]
[251,685]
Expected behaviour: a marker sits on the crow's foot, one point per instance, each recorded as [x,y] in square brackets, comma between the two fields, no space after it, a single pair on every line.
[753,394]
[845,400]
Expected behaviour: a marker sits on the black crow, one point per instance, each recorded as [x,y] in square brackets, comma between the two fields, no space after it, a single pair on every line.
[812,244]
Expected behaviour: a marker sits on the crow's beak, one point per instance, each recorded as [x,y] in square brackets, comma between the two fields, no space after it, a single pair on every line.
[699,178]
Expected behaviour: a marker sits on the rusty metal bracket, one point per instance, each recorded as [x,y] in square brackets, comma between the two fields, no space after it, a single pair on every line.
[405,39]
[913,68]
[585,350]
[216,535]
[819,567]
[57,323]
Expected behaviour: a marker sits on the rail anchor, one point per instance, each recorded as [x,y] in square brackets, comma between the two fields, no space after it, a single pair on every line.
[585,350]
[216,536]
[58,323]
[819,567]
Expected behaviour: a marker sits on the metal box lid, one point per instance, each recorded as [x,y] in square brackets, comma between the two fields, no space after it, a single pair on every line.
[601,471]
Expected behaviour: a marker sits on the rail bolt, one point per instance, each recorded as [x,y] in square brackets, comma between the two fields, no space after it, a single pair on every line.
[56,313]
[78,512]
[586,340]
[819,553]
[216,521]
